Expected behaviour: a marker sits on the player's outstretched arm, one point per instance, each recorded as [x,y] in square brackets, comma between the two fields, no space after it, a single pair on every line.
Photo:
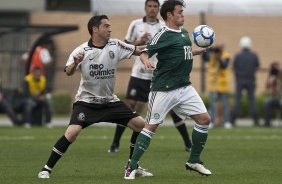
[138,50]
[199,51]
[72,67]
[149,65]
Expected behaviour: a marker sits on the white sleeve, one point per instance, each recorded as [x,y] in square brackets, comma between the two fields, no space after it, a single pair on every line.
[124,50]
[131,33]
[45,56]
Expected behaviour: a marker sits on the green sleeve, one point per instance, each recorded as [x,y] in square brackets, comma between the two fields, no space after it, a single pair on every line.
[160,41]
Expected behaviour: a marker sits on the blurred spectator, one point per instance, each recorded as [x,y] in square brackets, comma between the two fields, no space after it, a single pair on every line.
[274,92]
[7,107]
[245,65]
[35,91]
[41,56]
[218,83]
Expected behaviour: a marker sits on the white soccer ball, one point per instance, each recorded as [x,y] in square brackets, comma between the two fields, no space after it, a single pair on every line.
[203,36]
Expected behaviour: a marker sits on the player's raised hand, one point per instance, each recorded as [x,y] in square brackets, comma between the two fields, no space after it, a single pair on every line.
[78,57]
[145,38]
[70,69]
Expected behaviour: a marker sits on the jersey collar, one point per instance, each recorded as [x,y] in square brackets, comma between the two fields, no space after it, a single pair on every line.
[174,30]
[90,44]
[145,20]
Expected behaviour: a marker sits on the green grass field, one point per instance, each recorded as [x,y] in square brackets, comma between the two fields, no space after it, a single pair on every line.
[239,156]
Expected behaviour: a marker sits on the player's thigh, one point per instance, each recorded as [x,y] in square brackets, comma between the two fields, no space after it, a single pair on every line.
[190,103]
[160,103]
[138,106]
[131,103]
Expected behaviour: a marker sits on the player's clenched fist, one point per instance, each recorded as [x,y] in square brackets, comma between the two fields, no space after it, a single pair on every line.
[78,57]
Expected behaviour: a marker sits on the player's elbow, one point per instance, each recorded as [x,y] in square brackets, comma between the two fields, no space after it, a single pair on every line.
[69,73]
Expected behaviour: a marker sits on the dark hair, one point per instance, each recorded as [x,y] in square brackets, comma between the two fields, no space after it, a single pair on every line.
[33,68]
[274,70]
[95,21]
[157,1]
[46,41]
[168,6]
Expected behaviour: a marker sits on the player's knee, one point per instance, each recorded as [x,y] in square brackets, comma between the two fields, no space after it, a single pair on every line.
[151,127]
[203,119]
[137,124]
[206,119]
[72,132]
[70,136]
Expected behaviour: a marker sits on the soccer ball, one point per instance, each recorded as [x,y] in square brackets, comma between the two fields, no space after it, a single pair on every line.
[203,36]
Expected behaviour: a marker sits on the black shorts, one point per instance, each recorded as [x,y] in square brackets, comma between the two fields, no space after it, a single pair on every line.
[86,114]
[138,89]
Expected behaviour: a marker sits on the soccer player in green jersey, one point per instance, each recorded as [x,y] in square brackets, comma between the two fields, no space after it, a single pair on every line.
[171,88]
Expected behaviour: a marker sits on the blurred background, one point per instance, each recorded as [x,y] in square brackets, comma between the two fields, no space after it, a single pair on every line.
[24,22]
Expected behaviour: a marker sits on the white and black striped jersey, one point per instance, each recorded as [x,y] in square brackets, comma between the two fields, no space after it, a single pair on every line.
[136,30]
[98,70]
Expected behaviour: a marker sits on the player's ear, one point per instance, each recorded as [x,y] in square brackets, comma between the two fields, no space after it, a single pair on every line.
[169,14]
[95,29]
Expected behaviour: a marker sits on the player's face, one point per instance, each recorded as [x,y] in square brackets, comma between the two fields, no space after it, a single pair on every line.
[105,30]
[178,17]
[152,9]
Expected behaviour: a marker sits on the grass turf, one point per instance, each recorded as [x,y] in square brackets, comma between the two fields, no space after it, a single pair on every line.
[240,155]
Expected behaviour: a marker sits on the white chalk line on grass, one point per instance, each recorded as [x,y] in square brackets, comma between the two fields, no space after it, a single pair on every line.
[16,138]
[30,138]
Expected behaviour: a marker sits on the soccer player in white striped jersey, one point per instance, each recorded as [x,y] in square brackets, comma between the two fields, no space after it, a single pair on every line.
[171,88]
[140,32]
[95,101]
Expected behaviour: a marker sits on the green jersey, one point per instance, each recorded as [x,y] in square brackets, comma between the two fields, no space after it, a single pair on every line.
[175,59]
